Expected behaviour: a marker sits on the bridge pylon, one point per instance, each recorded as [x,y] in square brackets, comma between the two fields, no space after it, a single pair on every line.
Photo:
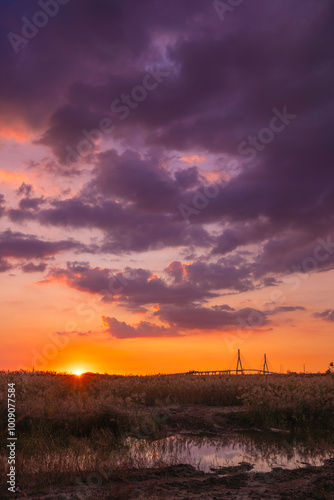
[239,364]
[265,365]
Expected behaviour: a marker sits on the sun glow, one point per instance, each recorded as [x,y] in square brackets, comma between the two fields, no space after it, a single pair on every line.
[78,371]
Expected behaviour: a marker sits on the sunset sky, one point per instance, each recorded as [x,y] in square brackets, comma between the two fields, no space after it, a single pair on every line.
[167,185]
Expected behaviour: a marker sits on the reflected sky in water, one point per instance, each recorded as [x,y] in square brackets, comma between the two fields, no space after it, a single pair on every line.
[263,450]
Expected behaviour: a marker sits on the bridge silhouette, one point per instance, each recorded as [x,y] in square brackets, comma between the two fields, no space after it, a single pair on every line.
[239,369]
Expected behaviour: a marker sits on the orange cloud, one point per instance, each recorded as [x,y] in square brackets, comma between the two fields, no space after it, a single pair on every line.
[216,176]
[17,132]
[11,177]
[191,159]
[152,277]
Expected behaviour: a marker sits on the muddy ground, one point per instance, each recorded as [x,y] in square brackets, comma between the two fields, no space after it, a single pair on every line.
[185,482]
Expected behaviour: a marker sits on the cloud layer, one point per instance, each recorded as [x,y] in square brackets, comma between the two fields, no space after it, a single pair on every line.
[165,115]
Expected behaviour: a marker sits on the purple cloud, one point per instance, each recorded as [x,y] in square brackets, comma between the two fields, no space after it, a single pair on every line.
[327,315]
[273,217]
[122,330]
[21,246]
[30,267]
[215,318]
[135,288]
[5,265]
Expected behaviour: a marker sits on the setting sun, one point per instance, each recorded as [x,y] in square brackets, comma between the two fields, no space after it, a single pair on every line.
[78,371]
[167,249]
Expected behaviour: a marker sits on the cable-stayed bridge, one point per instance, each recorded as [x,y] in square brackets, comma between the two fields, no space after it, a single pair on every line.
[238,371]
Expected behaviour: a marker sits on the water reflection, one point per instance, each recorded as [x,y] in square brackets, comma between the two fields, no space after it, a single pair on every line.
[263,450]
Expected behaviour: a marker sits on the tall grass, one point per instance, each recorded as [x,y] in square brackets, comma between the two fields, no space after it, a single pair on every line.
[69,425]
[303,403]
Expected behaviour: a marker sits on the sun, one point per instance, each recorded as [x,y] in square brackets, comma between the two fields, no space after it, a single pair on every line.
[78,372]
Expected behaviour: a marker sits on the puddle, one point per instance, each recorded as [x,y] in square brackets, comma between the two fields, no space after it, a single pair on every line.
[264,450]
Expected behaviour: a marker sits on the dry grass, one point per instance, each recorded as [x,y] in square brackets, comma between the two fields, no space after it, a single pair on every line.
[70,426]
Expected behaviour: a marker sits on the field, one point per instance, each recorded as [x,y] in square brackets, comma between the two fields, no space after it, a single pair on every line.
[74,433]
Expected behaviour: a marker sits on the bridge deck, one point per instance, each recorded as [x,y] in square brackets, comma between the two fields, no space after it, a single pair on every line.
[227,372]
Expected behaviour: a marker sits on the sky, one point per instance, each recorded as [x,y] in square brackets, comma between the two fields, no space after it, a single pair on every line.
[167,185]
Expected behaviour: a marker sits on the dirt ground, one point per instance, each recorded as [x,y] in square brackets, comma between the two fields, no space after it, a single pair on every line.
[183,482]
[191,419]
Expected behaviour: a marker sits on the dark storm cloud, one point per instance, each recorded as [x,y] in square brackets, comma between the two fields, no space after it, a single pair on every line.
[19,246]
[30,267]
[133,288]
[31,203]
[2,205]
[205,318]
[327,315]
[289,309]
[283,309]
[4,266]
[28,205]
[211,276]
[76,333]
[122,330]
[144,182]
[242,234]
[296,252]
[25,189]
[66,128]
[134,202]
[82,277]
[126,229]
[118,40]
[154,232]
[225,81]
[20,215]
[94,28]
[218,317]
